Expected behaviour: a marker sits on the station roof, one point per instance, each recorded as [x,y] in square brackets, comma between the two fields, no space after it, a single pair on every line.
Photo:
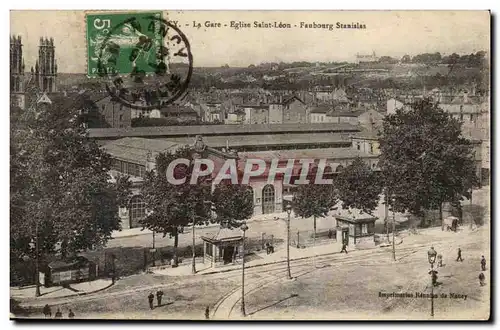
[235,141]
[206,130]
[137,149]
[320,153]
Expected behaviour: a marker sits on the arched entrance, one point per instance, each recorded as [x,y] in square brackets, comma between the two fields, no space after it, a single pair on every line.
[137,211]
[268,199]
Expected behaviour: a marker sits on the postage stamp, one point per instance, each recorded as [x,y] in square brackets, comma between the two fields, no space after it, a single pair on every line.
[122,32]
[146,61]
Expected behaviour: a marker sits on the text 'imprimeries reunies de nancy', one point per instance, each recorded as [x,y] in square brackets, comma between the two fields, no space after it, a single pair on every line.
[279,25]
[451,295]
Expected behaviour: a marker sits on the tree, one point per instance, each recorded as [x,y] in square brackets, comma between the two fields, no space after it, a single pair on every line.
[173,207]
[62,198]
[233,203]
[425,160]
[314,200]
[358,187]
[406,59]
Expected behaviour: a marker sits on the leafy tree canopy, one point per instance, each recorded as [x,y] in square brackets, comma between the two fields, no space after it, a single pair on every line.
[358,187]
[424,158]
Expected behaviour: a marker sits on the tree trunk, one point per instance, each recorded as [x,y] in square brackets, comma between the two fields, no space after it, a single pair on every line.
[176,244]
[193,269]
[386,220]
[441,216]
[314,242]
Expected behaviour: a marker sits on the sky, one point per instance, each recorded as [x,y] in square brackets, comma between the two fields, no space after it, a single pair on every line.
[390,33]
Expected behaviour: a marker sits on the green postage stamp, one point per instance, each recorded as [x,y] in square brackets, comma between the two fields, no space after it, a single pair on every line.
[121,43]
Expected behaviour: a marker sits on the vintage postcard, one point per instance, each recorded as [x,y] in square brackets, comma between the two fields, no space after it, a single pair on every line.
[250,165]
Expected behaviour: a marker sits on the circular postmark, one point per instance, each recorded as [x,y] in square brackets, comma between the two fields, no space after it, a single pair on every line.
[146,62]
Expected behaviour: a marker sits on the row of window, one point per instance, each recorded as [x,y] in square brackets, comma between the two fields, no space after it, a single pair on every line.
[128,168]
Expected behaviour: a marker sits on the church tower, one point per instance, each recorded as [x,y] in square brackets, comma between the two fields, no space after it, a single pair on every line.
[45,72]
[17,71]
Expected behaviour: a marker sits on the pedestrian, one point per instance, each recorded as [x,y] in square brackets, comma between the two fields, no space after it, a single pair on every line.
[344,248]
[46,311]
[330,233]
[483,263]
[58,314]
[481,279]
[459,256]
[71,315]
[159,295]
[151,298]
[207,313]
[268,248]
[440,260]
[434,276]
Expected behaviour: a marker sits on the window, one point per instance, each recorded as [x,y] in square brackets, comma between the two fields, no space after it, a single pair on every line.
[268,199]
[461,116]
[103,106]
[121,117]
[364,228]
[371,148]
[358,145]
[137,211]
[471,117]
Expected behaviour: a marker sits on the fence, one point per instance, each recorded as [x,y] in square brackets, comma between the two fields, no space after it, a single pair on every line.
[305,238]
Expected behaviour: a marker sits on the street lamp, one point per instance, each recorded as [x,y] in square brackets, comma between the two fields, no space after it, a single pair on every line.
[393,229]
[431,255]
[244,228]
[288,209]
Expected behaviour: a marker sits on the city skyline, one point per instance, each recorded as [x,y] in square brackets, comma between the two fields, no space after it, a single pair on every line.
[462,33]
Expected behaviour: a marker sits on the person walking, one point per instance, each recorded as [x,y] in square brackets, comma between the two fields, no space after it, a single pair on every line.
[159,295]
[207,313]
[483,263]
[151,298]
[58,314]
[481,279]
[71,315]
[459,255]
[344,248]
[440,260]
[46,311]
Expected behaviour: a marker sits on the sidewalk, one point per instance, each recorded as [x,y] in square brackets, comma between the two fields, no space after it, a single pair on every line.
[77,289]
[424,236]
[259,259]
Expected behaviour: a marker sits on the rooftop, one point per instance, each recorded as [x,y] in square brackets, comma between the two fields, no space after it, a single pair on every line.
[270,140]
[217,130]
[320,153]
[136,150]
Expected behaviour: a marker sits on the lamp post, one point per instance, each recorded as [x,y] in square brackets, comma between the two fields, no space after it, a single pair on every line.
[431,255]
[393,230]
[288,209]
[153,250]
[37,275]
[244,228]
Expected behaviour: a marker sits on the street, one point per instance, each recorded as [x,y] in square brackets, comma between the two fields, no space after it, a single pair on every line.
[333,287]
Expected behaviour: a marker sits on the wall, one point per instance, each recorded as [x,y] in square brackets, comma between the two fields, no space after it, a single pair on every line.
[364,146]
[295,112]
[257,185]
[317,118]
[115,113]
[275,114]
[393,105]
